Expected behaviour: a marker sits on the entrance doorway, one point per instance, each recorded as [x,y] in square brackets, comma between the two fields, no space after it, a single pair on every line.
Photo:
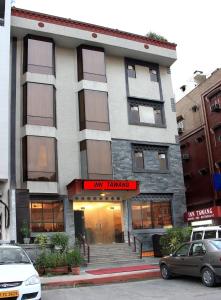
[101,221]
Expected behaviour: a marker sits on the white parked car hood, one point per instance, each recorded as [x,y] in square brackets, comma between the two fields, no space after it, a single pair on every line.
[16,272]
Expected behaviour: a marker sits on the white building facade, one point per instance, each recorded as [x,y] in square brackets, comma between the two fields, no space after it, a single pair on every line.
[94,108]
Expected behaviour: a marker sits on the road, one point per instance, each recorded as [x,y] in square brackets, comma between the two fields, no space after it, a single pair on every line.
[175,289]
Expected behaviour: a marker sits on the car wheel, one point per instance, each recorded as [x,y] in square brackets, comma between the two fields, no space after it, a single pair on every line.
[208,277]
[165,272]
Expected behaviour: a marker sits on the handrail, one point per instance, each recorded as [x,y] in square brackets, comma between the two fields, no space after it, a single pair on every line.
[135,240]
[85,245]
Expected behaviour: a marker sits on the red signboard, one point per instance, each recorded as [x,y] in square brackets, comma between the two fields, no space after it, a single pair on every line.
[110,185]
[203,214]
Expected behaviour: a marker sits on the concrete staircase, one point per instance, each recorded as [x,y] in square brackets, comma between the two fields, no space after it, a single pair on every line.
[119,253]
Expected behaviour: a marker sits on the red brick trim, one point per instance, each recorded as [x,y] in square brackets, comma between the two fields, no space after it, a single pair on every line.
[32,15]
[101,280]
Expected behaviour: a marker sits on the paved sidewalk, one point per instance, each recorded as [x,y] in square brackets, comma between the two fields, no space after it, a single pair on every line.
[52,282]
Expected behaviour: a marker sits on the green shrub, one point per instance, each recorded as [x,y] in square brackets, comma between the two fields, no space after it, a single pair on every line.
[74,258]
[60,240]
[155,36]
[25,231]
[174,238]
[41,240]
[53,260]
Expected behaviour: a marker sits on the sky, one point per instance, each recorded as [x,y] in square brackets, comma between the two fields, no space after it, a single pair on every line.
[194,25]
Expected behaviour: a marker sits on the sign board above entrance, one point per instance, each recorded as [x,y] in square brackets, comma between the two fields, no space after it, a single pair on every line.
[110,185]
[203,214]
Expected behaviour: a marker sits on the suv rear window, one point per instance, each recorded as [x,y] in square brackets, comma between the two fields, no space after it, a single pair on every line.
[210,234]
[219,234]
[197,235]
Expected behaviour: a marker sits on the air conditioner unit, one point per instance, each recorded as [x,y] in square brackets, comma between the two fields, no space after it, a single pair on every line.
[216,107]
[186,156]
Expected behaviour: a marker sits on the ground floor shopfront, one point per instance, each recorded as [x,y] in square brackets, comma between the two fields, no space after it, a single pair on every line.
[102,211]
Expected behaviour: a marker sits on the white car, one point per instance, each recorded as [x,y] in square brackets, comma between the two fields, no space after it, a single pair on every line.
[18,278]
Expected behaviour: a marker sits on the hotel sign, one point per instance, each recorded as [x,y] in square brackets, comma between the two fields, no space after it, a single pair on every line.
[203,214]
[110,185]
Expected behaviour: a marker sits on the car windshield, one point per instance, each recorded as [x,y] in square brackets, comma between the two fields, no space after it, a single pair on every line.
[216,244]
[13,256]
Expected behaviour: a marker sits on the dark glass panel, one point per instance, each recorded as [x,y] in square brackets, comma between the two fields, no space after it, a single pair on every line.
[40,104]
[41,159]
[138,160]
[161,214]
[99,157]
[136,215]
[40,57]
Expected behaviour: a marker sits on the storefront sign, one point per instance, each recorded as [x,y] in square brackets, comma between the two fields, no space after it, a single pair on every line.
[110,185]
[203,214]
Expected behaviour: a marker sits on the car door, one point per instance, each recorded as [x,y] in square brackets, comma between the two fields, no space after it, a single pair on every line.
[178,261]
[195,259]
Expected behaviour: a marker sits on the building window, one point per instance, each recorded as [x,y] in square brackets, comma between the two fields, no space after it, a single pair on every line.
[150,113]
[39,159]
[91,64]
[39,55]
[215,102]
[153,75]
[200,139]
[93,110]
[39,104]
[2,12]
[138,160]
[150,158]
[151,214]
[131,71]
[96,159]
[46,216]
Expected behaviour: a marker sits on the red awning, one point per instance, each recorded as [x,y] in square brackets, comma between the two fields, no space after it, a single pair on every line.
[124,189]
[203,214]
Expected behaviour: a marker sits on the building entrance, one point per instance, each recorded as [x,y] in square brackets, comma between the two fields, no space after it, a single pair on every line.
[101,222]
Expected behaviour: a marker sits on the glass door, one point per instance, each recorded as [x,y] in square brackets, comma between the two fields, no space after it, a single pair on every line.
[102,221]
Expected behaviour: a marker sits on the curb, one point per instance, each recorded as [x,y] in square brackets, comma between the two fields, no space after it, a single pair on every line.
[102,280]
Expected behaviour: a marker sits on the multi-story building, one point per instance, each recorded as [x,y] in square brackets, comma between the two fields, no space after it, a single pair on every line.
[95,129]
[5,182]
[199,125]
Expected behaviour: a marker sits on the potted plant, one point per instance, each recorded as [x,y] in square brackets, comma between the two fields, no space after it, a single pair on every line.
[42,240]
[25,231]
[60,241]
[56,264]
[40,263]
[74,259]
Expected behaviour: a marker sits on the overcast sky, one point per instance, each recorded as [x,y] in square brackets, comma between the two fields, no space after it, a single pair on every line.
[194,25]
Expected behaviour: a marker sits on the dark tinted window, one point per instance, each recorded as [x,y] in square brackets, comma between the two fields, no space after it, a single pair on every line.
[46,216]
[138,160]
[210,234]
[219,234]
[131,71]
[197,249]
[153,75]
[183,250]
[91,64]
[197,235]
[93,109]
[39,158]
[146,113]
[38,55]
[39,104]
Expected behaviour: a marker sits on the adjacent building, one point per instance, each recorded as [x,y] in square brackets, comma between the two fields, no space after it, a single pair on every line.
[199,126]
[96,145]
